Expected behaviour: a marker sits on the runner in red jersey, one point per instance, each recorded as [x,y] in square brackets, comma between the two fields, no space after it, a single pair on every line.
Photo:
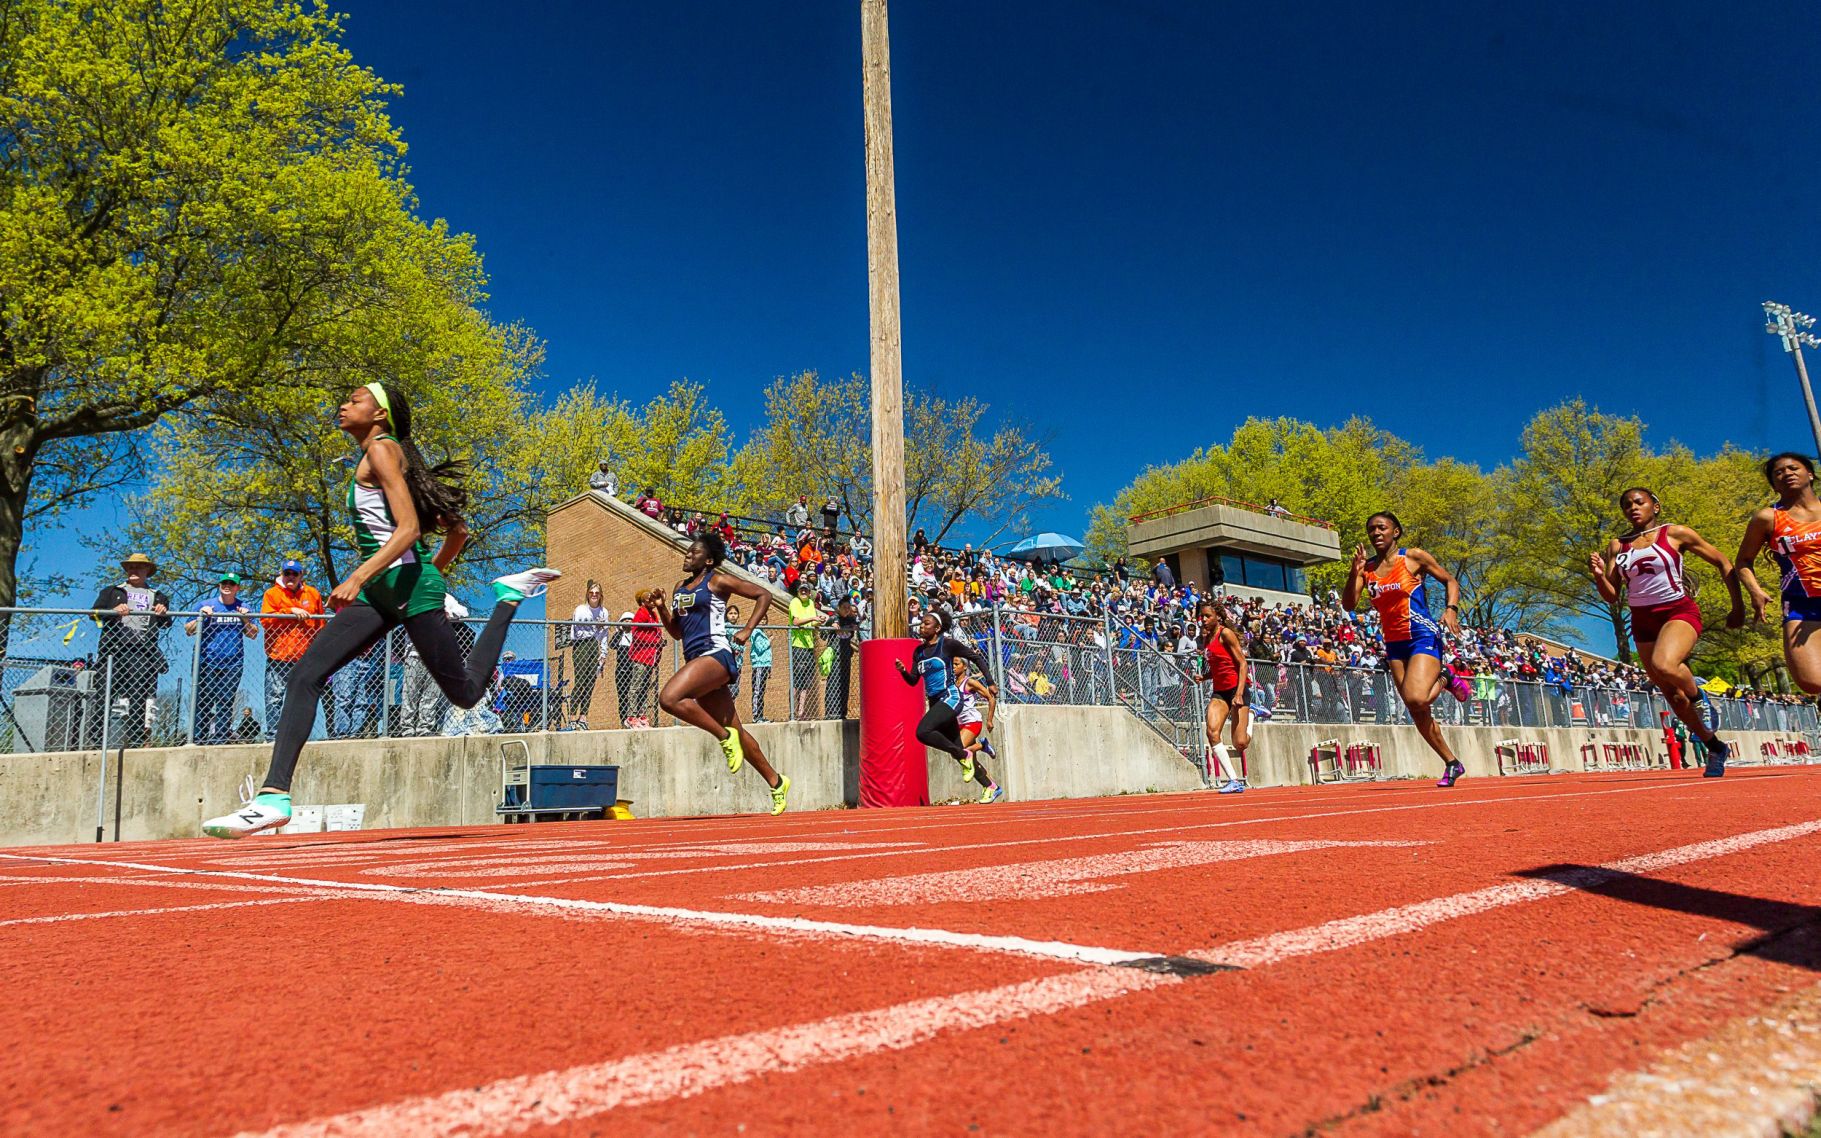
[1224,659]
[1792,530]
[1665,620]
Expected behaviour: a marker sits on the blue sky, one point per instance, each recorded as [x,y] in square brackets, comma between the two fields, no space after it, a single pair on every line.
[1129,224]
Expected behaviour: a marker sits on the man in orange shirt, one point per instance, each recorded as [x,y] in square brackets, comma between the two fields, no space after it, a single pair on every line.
[287,638]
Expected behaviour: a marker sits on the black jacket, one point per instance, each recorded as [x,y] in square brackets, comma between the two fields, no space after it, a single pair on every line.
[119,640]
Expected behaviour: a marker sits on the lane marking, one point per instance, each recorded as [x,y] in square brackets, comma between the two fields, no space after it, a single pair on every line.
[1054,839]
[862,823]
[608,858]
[671,915]
[513,1105]
[1756,1076]
[520,1103]
[62,917]
[1348,932]
[1038,880]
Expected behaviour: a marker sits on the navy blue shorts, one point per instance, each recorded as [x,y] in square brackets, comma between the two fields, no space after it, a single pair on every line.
[1801,608]
[728,658]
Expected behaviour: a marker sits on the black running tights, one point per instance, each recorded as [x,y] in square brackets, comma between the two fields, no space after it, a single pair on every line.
[356,629]
[940,729]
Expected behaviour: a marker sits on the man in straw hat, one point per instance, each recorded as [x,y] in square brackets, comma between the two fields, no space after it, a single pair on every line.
[131,615]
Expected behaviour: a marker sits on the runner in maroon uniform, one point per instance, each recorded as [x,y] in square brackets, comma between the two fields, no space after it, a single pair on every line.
[1665,620]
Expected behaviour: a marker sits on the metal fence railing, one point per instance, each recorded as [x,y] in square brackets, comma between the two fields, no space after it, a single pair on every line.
[1318,693]
[189,677]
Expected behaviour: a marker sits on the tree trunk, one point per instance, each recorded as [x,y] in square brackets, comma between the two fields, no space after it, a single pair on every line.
[1615,611]
[18,446]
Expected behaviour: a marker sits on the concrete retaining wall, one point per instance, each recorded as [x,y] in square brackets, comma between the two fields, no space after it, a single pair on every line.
[1279,755]
[1045,752]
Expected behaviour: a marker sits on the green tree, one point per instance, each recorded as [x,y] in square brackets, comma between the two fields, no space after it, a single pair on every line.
[677,444]
[1561,504]
[1340,475]
[197,200]
[816,440]
[241,484]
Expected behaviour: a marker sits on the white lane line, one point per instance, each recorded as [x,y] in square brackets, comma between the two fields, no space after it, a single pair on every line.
[790,926]
[1347,932]
[256,858]
[161,881]
[520,1103]
[1753,1078]
[1054,839]
[862,824]
[62,917]
[513,1105]
[1037,880]
[510,865]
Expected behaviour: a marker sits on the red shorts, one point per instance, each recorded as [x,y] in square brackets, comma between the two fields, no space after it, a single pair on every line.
[1647,622]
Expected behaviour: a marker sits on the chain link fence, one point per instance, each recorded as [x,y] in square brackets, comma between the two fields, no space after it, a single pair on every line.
[73,679]
[171,679]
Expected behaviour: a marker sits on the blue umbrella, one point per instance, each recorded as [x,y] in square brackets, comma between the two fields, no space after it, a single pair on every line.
[1046,546]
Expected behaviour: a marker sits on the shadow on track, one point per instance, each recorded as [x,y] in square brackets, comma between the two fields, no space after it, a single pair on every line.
[1774,918]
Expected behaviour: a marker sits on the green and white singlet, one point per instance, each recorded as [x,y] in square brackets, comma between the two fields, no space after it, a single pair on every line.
[411,584]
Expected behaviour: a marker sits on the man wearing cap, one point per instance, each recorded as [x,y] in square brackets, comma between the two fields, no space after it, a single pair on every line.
[604,479]
[225,623]
[294,613]
[131,614]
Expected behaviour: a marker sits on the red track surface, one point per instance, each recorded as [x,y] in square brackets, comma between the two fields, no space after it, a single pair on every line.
[292,1001]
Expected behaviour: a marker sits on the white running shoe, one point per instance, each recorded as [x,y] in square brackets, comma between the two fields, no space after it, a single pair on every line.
[253,816]
[524,586]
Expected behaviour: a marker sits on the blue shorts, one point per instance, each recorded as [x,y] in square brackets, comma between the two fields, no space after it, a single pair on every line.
[728,658]
[1801,608]
[1422,642]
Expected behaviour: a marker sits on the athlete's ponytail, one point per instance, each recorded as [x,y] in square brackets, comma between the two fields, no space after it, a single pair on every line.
[437,492]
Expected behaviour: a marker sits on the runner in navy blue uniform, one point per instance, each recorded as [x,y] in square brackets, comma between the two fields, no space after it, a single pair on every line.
[699,695]
[933,665]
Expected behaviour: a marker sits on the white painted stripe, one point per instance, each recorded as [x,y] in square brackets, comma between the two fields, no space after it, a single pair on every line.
[62,917]
[1756,1077]
[1435,803]
[1348,932]
[531,866]
[510,1106]
[148,882]
[1037,880]
[795,926]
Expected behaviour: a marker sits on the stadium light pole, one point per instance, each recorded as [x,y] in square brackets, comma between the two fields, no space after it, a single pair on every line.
[1793,327]
[891,611]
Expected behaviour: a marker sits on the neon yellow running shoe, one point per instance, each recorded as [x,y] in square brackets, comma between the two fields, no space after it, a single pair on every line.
[967,768]
[736,757]
[992,794]
[777,794]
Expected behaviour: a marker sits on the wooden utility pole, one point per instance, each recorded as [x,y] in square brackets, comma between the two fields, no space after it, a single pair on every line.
[891,615]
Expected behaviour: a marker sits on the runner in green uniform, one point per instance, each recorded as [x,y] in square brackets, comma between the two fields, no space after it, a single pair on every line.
[394,498]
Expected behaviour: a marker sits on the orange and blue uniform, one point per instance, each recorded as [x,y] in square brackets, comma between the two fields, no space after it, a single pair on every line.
[1403,610]
[1797,548]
